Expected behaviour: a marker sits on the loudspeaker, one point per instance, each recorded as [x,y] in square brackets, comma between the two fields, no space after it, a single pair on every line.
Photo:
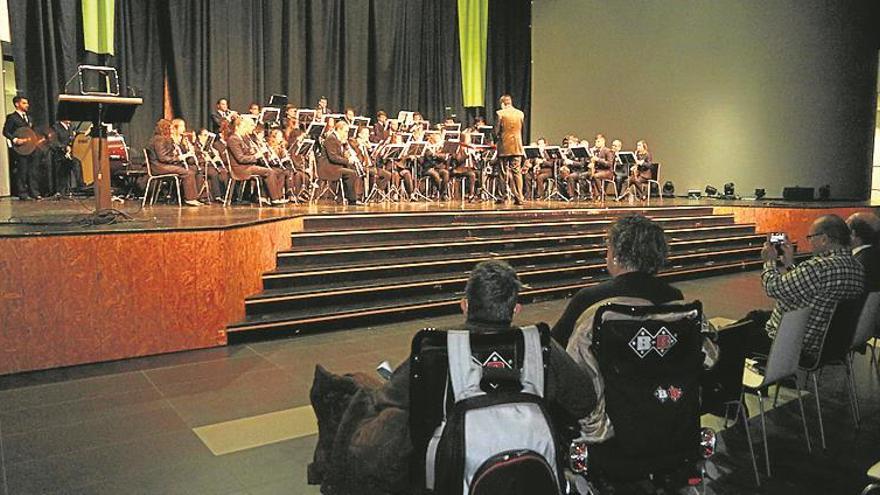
[798,193]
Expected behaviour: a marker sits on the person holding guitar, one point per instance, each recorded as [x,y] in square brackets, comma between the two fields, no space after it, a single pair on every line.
[19,130]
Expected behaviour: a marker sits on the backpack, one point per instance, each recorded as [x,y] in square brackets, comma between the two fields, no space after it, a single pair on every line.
[498,440]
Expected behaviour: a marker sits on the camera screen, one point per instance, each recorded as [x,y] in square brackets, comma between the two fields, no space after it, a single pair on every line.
[778,237]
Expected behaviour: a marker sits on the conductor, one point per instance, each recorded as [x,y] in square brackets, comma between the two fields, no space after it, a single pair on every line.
[508,134]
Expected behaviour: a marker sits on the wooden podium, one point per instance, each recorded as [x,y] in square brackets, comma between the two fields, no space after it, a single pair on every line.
[98,110]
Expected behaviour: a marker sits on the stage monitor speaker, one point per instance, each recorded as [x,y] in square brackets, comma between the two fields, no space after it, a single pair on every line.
[798,193]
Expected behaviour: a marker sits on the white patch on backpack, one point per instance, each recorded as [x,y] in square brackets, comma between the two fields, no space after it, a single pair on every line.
[495,360]
[643,342]
[672,393]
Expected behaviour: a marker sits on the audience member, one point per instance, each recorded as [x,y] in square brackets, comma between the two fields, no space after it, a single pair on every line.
[830,275]
[370,447]
[864,236]
[636,251]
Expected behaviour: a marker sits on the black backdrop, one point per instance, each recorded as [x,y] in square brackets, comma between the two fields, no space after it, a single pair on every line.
[369,54]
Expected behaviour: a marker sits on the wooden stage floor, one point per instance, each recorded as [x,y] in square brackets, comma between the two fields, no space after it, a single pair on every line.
[69,216]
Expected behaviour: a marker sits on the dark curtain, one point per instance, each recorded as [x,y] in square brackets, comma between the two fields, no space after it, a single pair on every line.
[509,56]
[371,55]
[47,47]
[139,62]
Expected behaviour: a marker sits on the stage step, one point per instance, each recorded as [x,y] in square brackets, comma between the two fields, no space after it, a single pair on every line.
[372,220]
[353,269]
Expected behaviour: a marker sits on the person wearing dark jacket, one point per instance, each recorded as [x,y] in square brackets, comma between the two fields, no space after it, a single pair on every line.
[377,418]
[864,236]
[636,251]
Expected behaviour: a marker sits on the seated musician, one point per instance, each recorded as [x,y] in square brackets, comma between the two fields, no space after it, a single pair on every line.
[244,160]
[216,172]
[542,169]
[434,165]
[254,110]
[378,177]
[350,114]
[302,164]
[166,160]
[602,162]
[401,177]
[289,122]
[620,171]
[281,161]
[380,132]
[640,173]
[334,163]
[578,173]
[463,166]
[322,109]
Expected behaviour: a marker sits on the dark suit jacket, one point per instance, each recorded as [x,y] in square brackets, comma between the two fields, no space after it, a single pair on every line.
[633,284]
[241,154]
[62,136]
[13,123]
[508,131]
[870,260]
[216,118]
[333,159]
[605,158]
[164,151]
[378,133]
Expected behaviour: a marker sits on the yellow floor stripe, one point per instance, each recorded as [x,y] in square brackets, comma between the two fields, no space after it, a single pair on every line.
[255,431]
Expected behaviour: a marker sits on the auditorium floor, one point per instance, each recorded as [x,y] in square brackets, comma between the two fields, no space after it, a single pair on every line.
[175,423]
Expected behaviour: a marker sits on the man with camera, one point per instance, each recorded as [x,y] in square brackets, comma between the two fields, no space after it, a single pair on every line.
[830,275]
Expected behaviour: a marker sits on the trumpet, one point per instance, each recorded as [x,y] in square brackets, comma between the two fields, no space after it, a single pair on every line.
[353,158]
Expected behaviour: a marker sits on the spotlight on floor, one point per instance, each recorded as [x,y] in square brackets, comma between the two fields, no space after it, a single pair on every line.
[730,191]
[711,191]
[668,189]
[760,193]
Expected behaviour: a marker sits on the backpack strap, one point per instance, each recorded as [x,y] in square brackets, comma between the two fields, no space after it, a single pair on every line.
[464,373]
[532,375]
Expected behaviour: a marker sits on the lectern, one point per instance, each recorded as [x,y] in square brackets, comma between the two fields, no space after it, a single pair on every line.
[98,110]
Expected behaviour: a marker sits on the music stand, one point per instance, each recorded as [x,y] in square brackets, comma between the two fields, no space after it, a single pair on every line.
[476,138]
[305,146]
[278,101]
[393,152]
[360,122]
[269,116]
[305,116]
[580,153]
[532,152]
[450,147]
[315,130]
[98,110]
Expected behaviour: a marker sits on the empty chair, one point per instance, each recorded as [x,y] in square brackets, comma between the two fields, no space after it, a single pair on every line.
[782,364]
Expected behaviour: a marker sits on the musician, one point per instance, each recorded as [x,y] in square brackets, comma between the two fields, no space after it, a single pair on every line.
[221,113]
[322,108]
[434,164]
[26,181]
[302,169]
[254,110]
[399,172]
[577,171]
[508,134]
[289,122]
[542,169]
[463,166]
[211,161]
[640,173]
[68,169]
[378,177]
[620,172]
[281,161]
[334,163]
[602,163]
[166,160]
[380,131]
[186,144]
[349,116]
[243,159]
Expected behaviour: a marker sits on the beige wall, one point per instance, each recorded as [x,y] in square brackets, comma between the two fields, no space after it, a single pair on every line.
[762,93]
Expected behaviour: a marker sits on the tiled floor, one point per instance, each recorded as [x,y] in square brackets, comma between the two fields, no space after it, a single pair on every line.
[126,427]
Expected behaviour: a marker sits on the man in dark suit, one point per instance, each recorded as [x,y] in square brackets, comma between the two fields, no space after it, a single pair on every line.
[334,162]
[864,236]
[68,169]
[602,162]
[508,132]
[220,113]
[379,132]
[26,184]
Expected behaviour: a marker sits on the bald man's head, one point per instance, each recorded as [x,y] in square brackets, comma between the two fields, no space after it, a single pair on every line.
[829,232]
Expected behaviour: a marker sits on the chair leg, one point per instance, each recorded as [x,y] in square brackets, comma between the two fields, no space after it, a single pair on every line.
[797,387]
[230,185]
[854,396]
[776,395]
[146,192]
[764,432]
[741,411]
[819,409]
[179,198]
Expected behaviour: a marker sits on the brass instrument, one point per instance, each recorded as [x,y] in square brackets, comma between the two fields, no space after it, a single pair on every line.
[354,160]
[185,151]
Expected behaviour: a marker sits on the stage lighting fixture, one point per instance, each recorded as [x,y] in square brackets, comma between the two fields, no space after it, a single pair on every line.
[729,189]
[825,192]
[711,190]
[668,189]
[760,193]
[694,194]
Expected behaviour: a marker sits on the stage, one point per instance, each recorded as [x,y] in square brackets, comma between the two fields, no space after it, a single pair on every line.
[172,279]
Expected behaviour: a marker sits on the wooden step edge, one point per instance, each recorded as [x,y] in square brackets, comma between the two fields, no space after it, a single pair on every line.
[258,299]
[507,240]
[435,262]
[243,327]
[307,235]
